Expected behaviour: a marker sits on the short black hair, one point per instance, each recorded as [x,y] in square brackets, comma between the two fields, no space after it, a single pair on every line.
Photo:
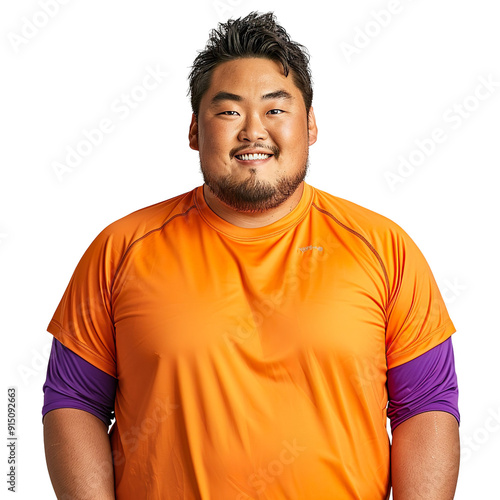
[255,35]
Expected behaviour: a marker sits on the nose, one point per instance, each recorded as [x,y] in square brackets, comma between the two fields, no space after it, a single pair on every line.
[252,129]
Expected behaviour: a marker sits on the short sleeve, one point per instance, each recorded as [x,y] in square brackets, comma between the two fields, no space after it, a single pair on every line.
[417,318]
[72,382]
[426,383]
[83,319]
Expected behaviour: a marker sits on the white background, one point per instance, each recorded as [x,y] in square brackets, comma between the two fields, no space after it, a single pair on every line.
[64,77]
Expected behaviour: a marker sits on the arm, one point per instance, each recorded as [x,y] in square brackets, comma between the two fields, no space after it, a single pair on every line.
[78,404]
[424,415]
[425,457]
[78,455]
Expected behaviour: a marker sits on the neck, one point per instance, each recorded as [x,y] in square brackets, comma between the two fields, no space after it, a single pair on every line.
[252,219]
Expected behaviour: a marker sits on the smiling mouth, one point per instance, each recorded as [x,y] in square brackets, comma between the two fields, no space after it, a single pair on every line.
[253,156]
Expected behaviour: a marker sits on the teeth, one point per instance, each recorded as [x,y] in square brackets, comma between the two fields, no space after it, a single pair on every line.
[256,156]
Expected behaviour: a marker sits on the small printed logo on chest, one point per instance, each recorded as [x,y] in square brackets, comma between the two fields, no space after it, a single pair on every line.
[310,247]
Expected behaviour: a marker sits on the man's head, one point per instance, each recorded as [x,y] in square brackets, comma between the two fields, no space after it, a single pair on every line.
[252,36]
[251,94]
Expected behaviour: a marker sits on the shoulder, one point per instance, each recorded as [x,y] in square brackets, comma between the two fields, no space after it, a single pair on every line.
[361,221]
[118,236]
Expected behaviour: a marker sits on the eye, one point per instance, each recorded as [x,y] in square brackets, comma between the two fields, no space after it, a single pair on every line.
[229,113]
[275,111]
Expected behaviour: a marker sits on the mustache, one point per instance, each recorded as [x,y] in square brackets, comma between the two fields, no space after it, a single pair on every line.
[273,149]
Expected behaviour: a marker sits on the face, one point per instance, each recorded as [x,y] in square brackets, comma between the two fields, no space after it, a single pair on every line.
[252,135]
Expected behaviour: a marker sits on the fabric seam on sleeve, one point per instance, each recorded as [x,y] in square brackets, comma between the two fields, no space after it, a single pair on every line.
[365,241]
[83,346]
[425,339]
[118,268]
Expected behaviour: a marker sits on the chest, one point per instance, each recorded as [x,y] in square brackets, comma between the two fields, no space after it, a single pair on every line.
[189,298]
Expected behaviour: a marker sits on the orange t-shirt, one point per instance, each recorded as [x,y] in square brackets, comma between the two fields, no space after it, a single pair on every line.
[251,363]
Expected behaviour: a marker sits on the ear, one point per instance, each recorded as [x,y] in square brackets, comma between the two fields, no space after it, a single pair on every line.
[193,133]
[312,127]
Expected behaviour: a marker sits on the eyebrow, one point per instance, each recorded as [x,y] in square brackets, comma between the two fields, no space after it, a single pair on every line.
[278,94]
[228,96]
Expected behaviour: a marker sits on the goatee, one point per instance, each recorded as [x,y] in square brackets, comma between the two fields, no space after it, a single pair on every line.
[253,195]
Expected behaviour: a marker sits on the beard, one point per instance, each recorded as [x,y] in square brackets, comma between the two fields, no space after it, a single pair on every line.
[253,195]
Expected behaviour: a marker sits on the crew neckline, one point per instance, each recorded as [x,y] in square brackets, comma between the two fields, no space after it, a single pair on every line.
[254,233]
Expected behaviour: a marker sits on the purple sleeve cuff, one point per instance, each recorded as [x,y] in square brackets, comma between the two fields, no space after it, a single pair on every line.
[426,383]
[73,382]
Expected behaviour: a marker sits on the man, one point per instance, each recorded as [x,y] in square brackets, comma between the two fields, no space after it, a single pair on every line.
[255,328]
